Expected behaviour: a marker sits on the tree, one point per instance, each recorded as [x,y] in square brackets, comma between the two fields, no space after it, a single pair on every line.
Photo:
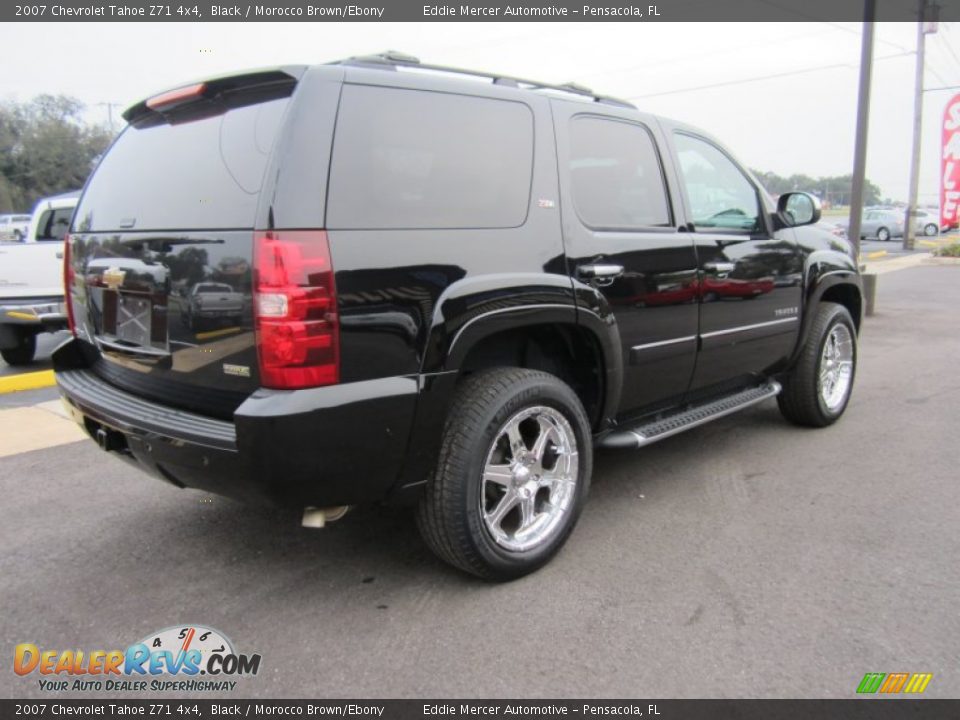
[833,189]
[45,148]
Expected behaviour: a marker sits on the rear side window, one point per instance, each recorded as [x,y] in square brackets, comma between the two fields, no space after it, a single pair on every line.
[196,175]
[616,176]
[416,159]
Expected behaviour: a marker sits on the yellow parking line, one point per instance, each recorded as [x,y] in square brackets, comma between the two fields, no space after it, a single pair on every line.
[876,254]
[217,333]
[26,381]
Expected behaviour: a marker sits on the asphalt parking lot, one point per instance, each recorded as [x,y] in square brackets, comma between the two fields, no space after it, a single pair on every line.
[748,558]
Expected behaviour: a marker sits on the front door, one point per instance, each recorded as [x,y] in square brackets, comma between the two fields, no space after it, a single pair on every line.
[621,238]
[750,277]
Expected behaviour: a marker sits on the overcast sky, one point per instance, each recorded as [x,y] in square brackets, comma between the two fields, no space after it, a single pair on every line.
[800,122]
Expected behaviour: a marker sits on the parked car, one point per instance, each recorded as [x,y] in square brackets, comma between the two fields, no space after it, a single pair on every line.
[31,280]
[13,228]
[498,356]
[928,222]
[882,225]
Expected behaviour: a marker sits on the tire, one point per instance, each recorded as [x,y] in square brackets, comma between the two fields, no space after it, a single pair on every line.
[804,399]
[17,236]
[23,353]
[931,230]
[457,516]
[883,234]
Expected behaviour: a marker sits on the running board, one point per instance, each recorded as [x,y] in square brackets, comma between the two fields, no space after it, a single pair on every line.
[655,430]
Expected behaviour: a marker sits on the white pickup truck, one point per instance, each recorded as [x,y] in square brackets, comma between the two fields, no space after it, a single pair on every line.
[31,280]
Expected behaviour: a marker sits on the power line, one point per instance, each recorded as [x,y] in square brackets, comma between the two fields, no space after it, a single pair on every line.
[946,46]
[760,78]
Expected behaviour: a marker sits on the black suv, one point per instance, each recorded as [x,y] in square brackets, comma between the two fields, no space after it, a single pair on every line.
[451,287]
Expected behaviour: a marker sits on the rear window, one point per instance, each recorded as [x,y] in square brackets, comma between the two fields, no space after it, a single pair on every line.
[197,175]
[53,224]
[416,159]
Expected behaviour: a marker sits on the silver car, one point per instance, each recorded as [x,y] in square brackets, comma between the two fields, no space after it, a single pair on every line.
[928,222]
[881,224]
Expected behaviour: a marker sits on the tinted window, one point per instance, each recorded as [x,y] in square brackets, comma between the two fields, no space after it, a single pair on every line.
[54,224]
[616,176]
[720,195]
[414,159]
[201,174]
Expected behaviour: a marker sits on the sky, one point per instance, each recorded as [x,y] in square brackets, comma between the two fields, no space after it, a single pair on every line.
[782,96]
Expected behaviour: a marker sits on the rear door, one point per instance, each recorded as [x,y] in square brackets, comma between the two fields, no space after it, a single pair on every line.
[622,238]
[173,206]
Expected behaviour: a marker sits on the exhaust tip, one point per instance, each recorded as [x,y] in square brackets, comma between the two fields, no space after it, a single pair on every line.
[319,517]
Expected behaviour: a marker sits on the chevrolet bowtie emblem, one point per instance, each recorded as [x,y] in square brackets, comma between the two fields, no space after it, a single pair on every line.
[113,277]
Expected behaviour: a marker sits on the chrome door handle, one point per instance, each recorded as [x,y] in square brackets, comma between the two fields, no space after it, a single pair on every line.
[599,271]
[719,267]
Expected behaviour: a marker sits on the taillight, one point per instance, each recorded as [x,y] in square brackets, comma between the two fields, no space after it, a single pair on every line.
[295,306]
[68,276]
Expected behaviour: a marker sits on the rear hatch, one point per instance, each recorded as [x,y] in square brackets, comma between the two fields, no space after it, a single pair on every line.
[162,248]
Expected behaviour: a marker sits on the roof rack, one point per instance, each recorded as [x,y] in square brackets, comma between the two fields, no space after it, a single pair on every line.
[391,59]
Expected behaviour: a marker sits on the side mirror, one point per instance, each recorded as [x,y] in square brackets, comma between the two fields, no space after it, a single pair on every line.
[798,208]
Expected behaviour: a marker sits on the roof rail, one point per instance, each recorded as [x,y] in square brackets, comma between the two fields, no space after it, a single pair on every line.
[391,60]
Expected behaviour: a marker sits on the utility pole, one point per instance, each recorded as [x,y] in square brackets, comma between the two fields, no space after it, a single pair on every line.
[110,106]
[863,116]
[926,24]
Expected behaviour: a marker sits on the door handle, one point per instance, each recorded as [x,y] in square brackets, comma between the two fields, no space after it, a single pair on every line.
[719,267]
[599,271]
[59,256]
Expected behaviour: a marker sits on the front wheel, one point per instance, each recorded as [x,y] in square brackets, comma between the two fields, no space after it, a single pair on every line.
[818,388]
[23,353]
[883,234]
[512,474]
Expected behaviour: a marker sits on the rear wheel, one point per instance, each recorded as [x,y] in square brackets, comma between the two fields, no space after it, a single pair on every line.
[931,230]
[818,389]
[23,353]
[512,475]
[883,234]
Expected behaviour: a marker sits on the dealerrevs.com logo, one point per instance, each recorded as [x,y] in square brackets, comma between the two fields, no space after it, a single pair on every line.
[185,658]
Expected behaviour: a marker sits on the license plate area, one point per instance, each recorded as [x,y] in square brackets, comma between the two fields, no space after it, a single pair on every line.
[136,319]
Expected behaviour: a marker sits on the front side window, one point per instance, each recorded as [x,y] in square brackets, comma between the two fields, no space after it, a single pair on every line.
[615,175]
[720,195]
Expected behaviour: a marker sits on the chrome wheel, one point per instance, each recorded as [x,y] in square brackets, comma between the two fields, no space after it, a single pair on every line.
[836,367]
[529,479]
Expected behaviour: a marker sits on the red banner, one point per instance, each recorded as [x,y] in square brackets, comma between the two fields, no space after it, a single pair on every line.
[950,164]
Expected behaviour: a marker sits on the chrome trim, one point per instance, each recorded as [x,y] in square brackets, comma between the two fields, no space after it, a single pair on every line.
[498,311]
[130,349]
[744,328]
[661,343]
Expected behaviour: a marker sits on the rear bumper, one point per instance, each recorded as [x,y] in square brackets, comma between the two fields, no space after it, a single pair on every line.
[341,445]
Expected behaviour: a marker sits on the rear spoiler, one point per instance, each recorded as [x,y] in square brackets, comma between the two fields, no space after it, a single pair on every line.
[215,96]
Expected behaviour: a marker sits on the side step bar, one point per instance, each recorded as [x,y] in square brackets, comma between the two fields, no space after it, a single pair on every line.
[664,427]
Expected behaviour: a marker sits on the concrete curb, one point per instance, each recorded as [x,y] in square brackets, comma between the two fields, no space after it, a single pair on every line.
[26,381]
